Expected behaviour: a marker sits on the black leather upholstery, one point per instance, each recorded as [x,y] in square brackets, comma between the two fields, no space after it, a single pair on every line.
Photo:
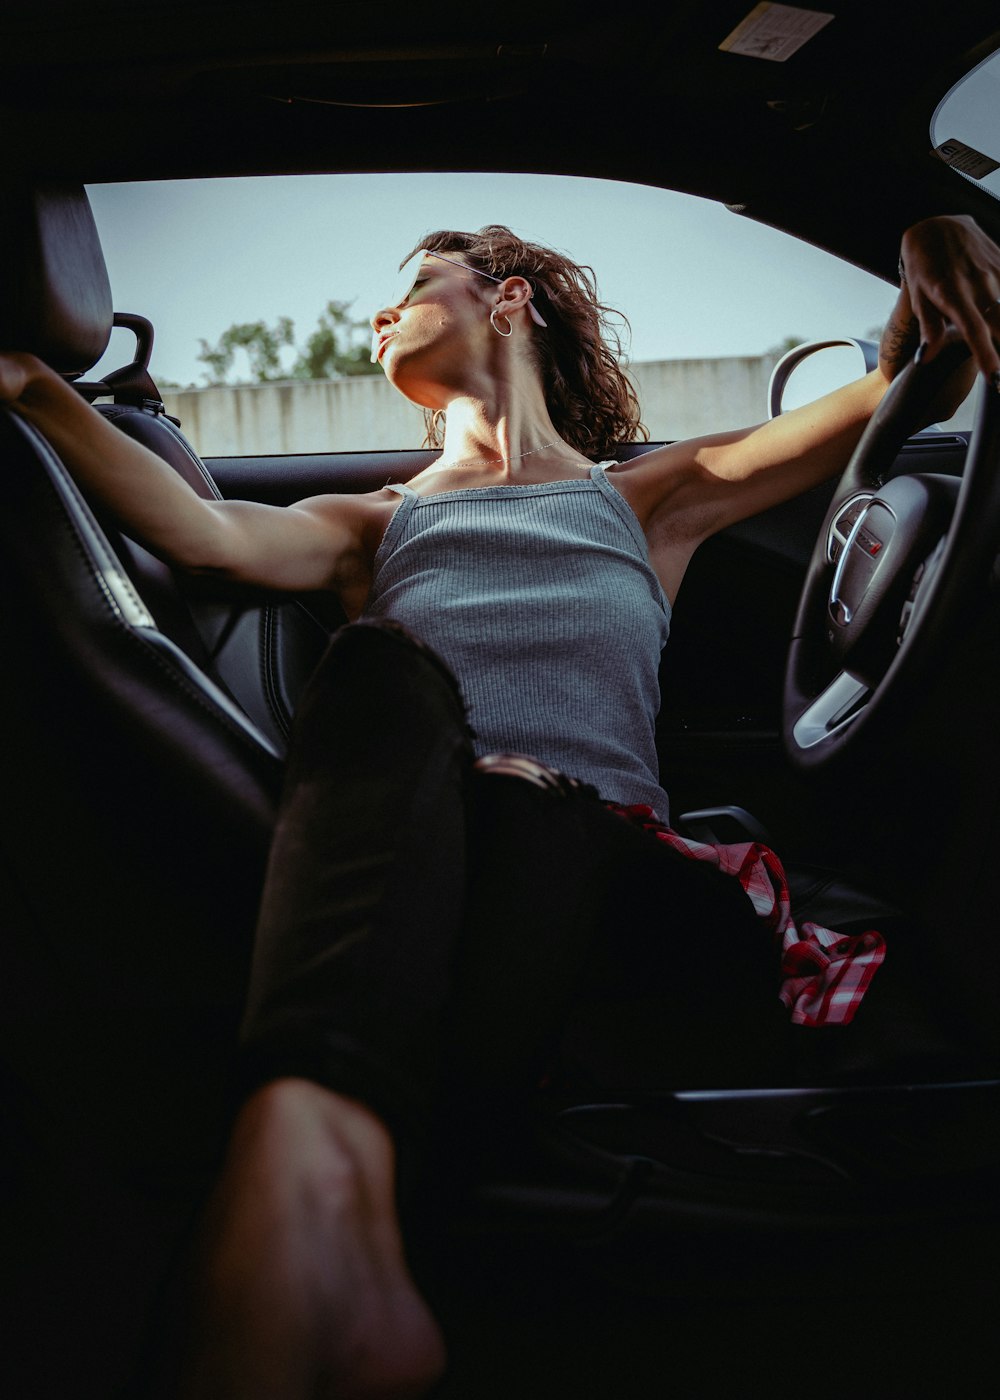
[143,729]
[57,303]
[138,802]
[261,650]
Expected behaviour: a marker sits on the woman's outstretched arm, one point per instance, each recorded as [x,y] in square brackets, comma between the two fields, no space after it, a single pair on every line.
[312,545]
[690,490]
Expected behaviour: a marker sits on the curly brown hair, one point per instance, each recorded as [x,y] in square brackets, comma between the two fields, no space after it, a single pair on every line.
[590,398]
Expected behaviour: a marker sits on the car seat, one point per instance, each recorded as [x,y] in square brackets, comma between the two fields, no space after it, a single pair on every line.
[139,797]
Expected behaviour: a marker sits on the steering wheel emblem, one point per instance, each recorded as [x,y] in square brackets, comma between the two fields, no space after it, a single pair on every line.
[846,519]
[856,562]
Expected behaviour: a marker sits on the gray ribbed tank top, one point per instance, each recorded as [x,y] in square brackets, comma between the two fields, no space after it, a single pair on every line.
[542,601]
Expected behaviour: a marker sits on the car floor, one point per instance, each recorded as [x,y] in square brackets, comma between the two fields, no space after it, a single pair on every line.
[533,1334]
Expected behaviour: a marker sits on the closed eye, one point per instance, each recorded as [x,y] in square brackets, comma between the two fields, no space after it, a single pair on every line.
[415,288]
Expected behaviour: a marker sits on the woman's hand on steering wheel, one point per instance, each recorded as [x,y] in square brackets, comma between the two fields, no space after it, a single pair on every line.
[951,270]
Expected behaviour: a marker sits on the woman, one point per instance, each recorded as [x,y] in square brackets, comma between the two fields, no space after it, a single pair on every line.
[409,860]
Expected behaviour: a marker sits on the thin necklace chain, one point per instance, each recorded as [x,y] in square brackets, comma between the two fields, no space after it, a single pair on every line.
[493,461]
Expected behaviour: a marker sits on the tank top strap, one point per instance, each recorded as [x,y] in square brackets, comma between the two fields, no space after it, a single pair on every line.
[397,521]
[628,515]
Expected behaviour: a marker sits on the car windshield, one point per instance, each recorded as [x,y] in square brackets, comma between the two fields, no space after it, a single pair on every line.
[965,127]
[260,291]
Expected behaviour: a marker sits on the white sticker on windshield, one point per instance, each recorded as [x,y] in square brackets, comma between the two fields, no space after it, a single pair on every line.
[774,32]
[966,159]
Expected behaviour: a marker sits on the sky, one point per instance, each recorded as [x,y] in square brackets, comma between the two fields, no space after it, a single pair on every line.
[695,280]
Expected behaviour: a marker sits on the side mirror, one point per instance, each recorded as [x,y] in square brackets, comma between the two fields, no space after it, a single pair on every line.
[809,371]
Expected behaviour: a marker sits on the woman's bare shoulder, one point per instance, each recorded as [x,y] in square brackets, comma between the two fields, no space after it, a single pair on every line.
[653,459]
[351,505]
[644,480]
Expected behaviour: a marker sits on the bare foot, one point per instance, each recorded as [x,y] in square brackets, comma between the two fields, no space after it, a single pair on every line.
[303,1289]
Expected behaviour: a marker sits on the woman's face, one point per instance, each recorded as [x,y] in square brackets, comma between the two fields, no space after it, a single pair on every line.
[429,342]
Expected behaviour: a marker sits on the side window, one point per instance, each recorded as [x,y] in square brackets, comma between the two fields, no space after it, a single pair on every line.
[260,293]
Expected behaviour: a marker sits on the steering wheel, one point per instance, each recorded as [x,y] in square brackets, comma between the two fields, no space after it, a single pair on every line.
[897,567]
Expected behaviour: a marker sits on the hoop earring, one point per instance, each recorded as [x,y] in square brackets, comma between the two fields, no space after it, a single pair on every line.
[493,322]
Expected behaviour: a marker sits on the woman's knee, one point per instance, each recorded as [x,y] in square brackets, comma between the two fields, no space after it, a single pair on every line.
[380,641]
[377,678]
[297,1125]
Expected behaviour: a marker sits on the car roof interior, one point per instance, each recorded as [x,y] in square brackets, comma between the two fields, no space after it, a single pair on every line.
[819,145]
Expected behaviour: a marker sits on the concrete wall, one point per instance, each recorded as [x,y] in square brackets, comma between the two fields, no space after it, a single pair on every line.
[680,398]
[685,398]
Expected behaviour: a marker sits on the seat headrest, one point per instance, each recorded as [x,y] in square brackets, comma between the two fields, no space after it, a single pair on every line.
[55,298]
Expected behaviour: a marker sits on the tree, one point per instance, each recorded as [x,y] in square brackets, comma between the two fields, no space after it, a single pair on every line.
[261,342]
[338,346]
[789,343]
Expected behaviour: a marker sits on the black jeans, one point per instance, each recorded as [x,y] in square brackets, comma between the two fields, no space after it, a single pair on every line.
[431,930]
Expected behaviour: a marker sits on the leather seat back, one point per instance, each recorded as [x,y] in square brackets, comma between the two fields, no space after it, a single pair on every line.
[260,649]
[137,805]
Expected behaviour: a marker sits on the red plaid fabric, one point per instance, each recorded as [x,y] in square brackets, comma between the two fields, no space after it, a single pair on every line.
[824,975]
